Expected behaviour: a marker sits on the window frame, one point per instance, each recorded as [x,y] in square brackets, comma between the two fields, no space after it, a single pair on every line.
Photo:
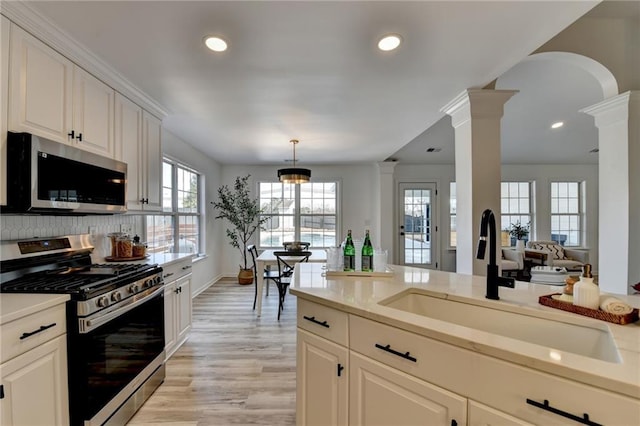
[173,213]
[520,215]
[298,215]
[579,202]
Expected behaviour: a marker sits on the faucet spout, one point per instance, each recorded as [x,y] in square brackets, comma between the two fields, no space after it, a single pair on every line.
[488,225]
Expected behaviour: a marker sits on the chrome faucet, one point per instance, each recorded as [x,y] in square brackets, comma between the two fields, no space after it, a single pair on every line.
[493,279]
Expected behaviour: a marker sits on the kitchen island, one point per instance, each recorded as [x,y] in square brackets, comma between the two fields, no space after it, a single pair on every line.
[389,354]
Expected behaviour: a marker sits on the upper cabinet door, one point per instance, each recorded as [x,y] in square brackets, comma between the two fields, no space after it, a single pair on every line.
[41,88]
[4,104]
[93,103]
[129,148]
[152,153]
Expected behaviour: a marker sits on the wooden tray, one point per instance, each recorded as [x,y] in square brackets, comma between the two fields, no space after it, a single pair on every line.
[387,273]
[124,259]
[593,313]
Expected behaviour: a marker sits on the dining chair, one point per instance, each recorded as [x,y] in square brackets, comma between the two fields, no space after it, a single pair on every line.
[267,274]
[296,245]
[286,262]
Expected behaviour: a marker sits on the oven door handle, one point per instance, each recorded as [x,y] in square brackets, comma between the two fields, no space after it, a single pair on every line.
[87,325]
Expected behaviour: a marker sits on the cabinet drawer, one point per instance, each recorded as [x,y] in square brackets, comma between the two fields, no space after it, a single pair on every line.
[175,270]
[33,330]
[408,352]
[494,382]
[323,321]
[509,387]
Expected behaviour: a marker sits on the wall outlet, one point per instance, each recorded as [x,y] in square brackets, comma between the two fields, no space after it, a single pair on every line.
[126,228]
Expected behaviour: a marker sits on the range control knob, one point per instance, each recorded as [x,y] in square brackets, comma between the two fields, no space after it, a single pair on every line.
[157,280]
[115,296]
[102,302]
[148,283]
[133,288]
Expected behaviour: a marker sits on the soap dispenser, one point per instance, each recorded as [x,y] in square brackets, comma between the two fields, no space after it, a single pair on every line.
[585,292]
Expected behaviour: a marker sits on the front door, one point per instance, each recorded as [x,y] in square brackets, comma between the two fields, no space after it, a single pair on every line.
[417,229]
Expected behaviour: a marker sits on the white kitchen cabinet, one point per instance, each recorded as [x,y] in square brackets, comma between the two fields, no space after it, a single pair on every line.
[33,368]
[128,125]
[93,114]
[381,395]
[400,377]
[177,303]
[35,386]
[54,98]
[4,103]
[322,381]
[481,415]
[41,88]
[322,392]
[144,158]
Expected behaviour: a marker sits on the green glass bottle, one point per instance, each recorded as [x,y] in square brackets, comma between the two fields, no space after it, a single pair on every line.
[349,252]
[367,254]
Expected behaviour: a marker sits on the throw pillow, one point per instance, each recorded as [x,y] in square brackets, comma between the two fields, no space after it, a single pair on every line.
[556,250]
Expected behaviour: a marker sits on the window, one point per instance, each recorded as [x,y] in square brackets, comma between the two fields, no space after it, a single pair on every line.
[565,213]
[178,229]
[515,205]
[304,212]
[452,215]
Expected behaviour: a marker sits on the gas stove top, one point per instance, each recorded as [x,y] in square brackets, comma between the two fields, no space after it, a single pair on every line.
[63,265]
[81,283]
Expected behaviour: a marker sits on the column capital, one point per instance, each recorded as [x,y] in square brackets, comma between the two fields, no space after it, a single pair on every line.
[477,103]
[386,167]
[613,109]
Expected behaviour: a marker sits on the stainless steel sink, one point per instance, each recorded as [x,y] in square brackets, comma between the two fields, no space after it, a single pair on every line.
[583,340]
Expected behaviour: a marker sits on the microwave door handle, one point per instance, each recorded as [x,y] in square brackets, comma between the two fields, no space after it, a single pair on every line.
[87,325]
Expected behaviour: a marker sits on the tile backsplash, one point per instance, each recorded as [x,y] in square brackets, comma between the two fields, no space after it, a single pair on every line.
[17,227]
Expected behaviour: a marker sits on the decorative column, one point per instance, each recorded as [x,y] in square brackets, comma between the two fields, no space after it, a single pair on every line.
[475,116]
[386,231]
[618,123]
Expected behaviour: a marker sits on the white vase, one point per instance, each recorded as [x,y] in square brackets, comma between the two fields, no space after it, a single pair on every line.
[520,245]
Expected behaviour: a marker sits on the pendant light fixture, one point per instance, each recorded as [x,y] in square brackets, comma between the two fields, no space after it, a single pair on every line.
[294,174]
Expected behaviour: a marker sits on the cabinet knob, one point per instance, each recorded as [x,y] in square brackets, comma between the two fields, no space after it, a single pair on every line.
[79,137]
[72,135]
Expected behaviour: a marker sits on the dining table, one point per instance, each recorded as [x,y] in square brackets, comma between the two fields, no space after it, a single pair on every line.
[268,258]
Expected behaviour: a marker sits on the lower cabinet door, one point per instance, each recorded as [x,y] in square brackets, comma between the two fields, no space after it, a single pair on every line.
[322,381]
[481,415]
[35,386]
[381,395]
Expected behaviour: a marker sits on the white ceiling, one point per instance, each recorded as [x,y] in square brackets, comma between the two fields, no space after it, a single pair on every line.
[310,70]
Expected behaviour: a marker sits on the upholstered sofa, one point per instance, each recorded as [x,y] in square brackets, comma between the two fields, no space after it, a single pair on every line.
[556,255]
[512,262]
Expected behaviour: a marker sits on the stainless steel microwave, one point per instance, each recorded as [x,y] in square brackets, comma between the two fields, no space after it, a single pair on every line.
[48,177]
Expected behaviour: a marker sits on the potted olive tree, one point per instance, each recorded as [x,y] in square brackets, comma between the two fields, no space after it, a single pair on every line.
[243,213]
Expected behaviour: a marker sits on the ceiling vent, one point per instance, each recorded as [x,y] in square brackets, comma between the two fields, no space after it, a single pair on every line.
[594,151]
[432,149]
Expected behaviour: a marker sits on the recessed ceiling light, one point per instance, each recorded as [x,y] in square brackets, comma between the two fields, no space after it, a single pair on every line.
[557,124]
[215,43]
[389,42]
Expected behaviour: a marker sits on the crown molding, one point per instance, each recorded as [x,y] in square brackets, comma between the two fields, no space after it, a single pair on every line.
[32,21]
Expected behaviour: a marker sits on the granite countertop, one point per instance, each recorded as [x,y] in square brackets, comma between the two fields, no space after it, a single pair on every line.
[361,295]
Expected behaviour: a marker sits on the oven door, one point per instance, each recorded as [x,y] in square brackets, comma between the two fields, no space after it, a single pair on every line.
[110,359]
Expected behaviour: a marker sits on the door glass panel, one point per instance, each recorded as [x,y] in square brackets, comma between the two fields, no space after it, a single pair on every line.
[417,242]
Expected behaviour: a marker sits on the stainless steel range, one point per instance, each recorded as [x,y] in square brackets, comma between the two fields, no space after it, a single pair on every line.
[115,322]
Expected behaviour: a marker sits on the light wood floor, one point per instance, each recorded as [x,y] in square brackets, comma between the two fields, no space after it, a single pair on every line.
[235,368]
